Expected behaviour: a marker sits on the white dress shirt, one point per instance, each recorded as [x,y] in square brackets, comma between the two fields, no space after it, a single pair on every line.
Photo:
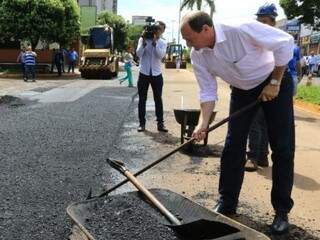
[244,55]
[151,56]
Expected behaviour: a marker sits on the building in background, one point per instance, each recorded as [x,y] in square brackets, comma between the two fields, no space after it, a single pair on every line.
[139,20]
[307,38]
[101,5]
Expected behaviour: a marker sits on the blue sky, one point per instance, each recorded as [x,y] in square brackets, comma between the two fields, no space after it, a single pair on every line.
[168,11]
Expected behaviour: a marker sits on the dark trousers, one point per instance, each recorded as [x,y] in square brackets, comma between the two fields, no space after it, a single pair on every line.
[30,70]
[59,68]
[72,64]
[258,138]
[280,123]
[156,85]
[23,70]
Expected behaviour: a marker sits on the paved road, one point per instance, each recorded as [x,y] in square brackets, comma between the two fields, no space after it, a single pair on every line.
[52,150]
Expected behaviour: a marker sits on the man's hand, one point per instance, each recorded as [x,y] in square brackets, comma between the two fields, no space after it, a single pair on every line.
[144,42]
[154,40]
[200,132]
[269,92]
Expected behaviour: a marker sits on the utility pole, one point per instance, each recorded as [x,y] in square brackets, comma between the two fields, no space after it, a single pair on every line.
[172,32]
[179,22]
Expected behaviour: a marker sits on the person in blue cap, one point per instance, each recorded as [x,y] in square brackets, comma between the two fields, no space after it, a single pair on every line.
[258,136]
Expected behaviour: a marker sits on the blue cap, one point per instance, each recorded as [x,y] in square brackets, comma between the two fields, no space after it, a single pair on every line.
[268,9]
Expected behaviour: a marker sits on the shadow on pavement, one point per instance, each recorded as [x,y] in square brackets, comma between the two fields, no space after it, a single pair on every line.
[295,232]
[306,119]
[300,181]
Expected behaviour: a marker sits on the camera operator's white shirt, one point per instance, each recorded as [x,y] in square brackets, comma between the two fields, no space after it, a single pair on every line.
[151,56]
[244,56]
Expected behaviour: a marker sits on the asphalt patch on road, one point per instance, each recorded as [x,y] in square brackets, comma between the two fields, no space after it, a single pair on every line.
[51,154]
[43,89]
[12,101]
[198,150]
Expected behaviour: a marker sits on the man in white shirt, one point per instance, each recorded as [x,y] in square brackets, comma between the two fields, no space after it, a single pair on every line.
[151,51]
[252,58]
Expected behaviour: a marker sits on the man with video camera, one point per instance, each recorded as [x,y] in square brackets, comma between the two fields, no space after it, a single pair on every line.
[151,49]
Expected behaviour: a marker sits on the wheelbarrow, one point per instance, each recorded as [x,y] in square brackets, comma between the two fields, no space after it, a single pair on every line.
[111,225]
[188,120]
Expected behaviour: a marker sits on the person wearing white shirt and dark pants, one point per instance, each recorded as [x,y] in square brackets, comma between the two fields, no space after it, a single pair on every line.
[252,58]
[151,51]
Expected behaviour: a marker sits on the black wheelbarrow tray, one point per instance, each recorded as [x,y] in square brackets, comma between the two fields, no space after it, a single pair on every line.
[123,220]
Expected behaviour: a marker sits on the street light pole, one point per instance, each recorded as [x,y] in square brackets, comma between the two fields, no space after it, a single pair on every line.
[173,21]
[179,22]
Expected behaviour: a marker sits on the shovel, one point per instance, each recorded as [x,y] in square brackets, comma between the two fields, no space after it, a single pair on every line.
[196,230]
[213,127]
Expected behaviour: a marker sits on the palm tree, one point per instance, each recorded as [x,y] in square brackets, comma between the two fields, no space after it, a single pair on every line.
[191,3]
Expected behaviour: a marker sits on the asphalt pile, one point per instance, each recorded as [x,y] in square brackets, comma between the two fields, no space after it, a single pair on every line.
[124,217]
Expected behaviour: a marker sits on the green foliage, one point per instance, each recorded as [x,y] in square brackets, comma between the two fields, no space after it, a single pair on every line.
[119,25]
[32,20]
[191,3]
[71,27]
[304,10]
[134,33]
[309,94]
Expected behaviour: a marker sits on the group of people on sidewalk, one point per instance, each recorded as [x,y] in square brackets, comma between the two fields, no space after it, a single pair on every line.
[58,60]
[27,59]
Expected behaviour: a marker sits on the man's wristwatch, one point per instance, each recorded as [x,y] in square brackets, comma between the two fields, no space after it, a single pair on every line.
[275,82]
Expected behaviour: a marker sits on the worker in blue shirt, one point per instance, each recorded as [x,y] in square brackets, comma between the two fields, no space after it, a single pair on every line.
[73,57]
[294,67]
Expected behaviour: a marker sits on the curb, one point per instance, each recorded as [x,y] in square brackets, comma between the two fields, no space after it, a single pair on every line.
[307,107]
[42,76]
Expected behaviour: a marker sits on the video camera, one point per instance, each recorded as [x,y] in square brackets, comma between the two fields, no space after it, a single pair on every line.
[150,29]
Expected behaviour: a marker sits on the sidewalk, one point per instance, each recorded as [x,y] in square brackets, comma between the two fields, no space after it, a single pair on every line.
[197,177]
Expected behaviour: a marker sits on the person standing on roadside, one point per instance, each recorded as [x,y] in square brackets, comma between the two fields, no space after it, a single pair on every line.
[73,57]
[58,61]
[30,64]
[151,50]
[258,135]
[21,60]
[252,57]
[128,63]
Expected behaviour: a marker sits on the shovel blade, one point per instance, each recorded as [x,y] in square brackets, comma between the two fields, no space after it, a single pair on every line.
[203,229]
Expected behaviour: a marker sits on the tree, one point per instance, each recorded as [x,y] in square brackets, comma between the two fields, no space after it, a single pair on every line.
[306,11]
[34,20]
[134,33]
[71,27]
[119,25]
[191,3]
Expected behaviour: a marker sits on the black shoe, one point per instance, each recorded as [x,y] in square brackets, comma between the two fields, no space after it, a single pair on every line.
[219,208]
[280,224]
[263,161]
[251,165]
[162,128]
[141,128]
